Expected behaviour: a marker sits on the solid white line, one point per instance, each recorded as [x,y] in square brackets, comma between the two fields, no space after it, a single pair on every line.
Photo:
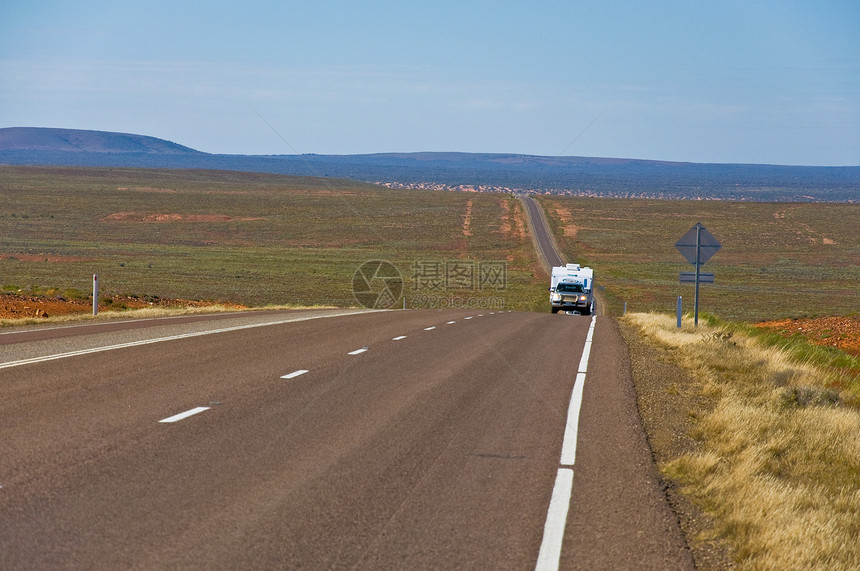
[295,374]
[168,338]
[185,414]
[591,329]
[115,321]
[583,362]
[357,351]
[429,328]
[398,338]
[571,429]
[586,350]
[549,555]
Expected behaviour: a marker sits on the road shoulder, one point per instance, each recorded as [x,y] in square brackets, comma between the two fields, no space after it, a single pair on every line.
[618,500]
[668,407]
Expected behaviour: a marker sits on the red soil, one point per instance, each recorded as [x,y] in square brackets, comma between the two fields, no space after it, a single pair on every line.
[140,217]
[840,332]
[18,306]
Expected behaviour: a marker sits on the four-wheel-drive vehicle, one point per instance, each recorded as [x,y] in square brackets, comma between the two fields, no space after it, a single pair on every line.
[571,288]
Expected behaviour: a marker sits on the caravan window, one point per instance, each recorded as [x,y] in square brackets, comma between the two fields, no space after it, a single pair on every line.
[569,288]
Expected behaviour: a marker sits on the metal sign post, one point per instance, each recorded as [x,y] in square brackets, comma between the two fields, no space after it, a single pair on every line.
[95,295]
[698,274]
[697,246]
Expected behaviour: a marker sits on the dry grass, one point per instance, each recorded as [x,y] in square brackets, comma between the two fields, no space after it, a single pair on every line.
[779,462]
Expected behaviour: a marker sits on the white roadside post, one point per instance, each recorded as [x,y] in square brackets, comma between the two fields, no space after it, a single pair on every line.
[95,295]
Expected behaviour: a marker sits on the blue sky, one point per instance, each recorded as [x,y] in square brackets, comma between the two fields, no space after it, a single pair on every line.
[734,81]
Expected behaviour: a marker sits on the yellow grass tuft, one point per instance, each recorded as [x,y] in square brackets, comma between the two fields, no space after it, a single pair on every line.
[779,464]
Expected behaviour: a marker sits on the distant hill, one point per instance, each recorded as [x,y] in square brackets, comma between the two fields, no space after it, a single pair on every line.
[490,172]
[81,141]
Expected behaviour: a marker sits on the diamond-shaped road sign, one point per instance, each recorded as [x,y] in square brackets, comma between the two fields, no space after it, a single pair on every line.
[706,244]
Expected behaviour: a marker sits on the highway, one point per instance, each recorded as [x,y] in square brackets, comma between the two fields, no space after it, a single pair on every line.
[542,234]
[331,439]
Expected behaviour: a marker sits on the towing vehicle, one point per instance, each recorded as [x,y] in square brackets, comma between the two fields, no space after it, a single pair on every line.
[571,289]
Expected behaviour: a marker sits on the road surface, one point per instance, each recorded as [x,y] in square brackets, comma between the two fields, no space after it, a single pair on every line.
[319,440]
[542,234]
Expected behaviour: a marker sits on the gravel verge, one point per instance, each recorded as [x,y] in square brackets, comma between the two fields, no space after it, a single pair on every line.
[670,405]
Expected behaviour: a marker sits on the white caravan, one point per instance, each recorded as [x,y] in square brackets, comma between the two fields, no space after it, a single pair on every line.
[571,288]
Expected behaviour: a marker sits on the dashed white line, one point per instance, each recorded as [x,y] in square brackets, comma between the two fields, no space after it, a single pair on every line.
[451,322]
[295,374]
[430,328]
[398,338]
[357,351]
[470,317]
[186,414]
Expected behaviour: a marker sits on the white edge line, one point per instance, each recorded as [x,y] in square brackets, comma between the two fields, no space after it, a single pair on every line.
[586,350]
[549,556]
[186,414]
[583,363]
[571,428]
[172,338]
[295,374]
[113,321]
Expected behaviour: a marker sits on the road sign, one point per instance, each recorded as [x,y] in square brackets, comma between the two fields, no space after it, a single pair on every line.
[698,239]
[697,245]
[690,277]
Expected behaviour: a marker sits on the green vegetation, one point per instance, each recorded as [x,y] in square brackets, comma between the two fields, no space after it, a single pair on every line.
[249,238]
[777,461]
[777,260]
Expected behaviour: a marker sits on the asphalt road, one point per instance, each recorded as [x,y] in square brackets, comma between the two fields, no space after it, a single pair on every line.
[370,440]
[544,240]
